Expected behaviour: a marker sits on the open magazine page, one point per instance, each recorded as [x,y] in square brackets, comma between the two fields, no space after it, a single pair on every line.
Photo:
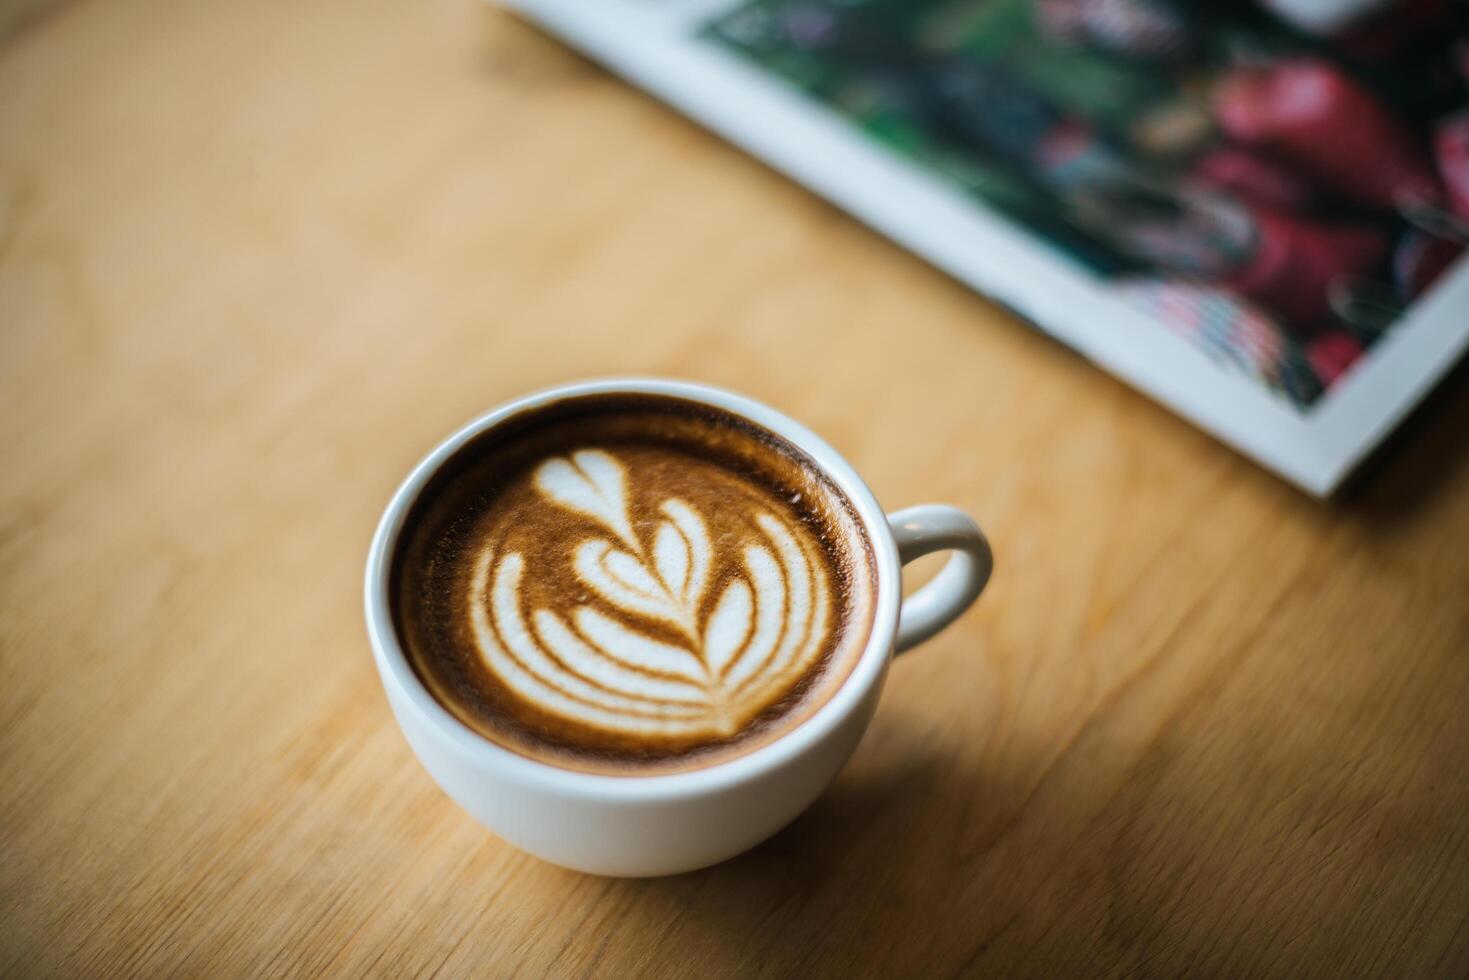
[1253,212]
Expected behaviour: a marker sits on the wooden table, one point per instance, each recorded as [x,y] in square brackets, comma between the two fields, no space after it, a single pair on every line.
[256,257]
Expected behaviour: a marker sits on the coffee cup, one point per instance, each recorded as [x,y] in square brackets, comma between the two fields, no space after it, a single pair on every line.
[670,822]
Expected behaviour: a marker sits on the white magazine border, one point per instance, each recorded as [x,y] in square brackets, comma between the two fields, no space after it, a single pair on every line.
[648,41]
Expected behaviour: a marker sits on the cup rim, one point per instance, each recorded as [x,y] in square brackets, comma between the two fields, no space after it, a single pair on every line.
[866,673]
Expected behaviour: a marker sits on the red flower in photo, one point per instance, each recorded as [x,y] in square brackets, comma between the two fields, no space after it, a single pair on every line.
[1318,120]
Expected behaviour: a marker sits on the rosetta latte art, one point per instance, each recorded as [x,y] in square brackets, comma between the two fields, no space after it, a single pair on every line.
[710,668]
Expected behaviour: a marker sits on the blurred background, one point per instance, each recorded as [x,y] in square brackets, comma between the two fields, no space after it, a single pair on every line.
[257,257]
[1277,181]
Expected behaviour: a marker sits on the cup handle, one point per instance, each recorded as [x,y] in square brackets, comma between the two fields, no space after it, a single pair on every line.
[922,530]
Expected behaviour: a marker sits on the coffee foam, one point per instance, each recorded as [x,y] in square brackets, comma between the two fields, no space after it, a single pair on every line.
[635,585]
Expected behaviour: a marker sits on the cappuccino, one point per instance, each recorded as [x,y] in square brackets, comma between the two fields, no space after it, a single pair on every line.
[632,585]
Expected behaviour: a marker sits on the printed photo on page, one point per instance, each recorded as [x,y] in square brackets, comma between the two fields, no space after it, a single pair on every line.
[1255,212]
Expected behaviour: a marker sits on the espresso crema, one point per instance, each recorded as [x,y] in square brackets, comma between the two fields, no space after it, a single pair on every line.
[632,585]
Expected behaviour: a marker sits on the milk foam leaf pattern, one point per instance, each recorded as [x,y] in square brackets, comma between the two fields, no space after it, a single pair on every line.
[634,649]
[621,578]
[616,660]
[728,627]
[684,526]
[641,656]
[590,482]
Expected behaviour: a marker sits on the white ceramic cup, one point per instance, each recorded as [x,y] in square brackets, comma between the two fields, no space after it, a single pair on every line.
[664,824]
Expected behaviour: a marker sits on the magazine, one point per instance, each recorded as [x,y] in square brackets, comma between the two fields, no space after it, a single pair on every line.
[1254,212]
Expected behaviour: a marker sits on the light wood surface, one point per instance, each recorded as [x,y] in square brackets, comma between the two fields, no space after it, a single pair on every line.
[256,257]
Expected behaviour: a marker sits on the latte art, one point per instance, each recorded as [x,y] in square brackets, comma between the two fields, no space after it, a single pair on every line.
[601,666]
[631,585]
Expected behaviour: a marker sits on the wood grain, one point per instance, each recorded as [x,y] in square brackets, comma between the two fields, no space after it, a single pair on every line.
[256,257]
